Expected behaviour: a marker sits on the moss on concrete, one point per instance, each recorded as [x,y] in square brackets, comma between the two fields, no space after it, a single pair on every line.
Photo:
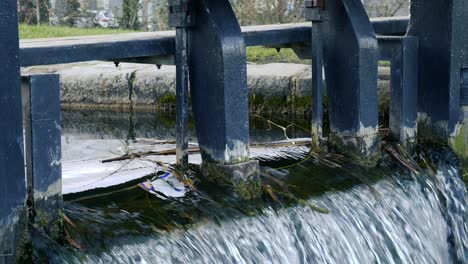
[261,103]
[248,190]
[168,99]
[52,227]
[460,146]
[244,180]
[301,104]
[24,245]
[280,104]
[357,149]
[460,142]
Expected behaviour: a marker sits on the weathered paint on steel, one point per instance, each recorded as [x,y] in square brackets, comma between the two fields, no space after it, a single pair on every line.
[182,89]
[317,84]
[218,83]
[393,26]
[403,93]
[441,29]
[351,56]
[41,111]
[182,16]
[464,89]
[12,178]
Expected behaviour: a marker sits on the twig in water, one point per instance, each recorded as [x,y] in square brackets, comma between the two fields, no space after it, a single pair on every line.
[314,207]
[150,153]
[68,221]
[411,165]
[195,150]
[270,191]
[294,124]
[285,129]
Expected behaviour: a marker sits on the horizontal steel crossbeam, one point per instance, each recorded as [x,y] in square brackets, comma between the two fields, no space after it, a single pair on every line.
[142,46]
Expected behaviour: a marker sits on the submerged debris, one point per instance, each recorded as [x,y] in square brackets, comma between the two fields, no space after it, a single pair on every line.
[314,208]
[404,158]
[165,186]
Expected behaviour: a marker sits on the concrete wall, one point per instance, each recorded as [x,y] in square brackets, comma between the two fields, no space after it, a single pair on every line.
[274,88]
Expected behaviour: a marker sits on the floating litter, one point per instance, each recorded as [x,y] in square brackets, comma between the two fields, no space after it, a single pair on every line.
[165,186]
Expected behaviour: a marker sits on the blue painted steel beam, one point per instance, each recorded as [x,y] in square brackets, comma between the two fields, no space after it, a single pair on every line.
[390,26]
[464,88]
[41,111]
[317,84]
[389,46]
[146,45]
[182,90]
[218,83]
[12,178]
[351,56]
[34,53]
[443,46]
[181,16]
[276,36]
[404,93]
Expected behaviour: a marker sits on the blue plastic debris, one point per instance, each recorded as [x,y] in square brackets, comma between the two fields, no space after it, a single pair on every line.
[165,186]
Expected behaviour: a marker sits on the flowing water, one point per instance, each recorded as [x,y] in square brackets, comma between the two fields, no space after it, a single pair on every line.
[311,212]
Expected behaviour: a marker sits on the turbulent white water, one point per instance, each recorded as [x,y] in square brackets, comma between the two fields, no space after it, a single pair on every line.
[400,219]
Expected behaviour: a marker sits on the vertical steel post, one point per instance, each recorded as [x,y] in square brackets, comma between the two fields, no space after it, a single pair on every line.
[182,82]
[218,78]
[317,85]
[443,53]
[181,17]
[41,115]
[404,93]
[12,178]
[350,58]
[218,84]
[464,91]
[314,12]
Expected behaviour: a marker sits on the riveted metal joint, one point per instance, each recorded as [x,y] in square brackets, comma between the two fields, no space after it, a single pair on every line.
[314,10]
[181,13]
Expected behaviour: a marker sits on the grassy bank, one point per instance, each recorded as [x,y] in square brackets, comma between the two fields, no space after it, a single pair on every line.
[44,31]
[264,55]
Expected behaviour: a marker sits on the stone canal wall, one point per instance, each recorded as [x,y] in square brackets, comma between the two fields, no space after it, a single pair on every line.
[276,87]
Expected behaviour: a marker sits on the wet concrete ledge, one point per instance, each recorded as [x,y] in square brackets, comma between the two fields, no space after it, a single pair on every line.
[274,88]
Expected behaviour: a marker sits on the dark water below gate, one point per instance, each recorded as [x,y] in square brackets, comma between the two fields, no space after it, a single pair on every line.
[310,213]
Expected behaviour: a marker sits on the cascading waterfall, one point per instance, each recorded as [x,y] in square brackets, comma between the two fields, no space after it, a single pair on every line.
[401,218]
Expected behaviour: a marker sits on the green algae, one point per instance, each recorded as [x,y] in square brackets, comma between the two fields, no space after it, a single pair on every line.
[460,146]
[247,187]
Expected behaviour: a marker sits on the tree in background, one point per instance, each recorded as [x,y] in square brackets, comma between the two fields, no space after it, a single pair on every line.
[145,14]
[27,11]
[248,12]
[129,18]
[66,12]
[257,12]
[386,8]
[161,16]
